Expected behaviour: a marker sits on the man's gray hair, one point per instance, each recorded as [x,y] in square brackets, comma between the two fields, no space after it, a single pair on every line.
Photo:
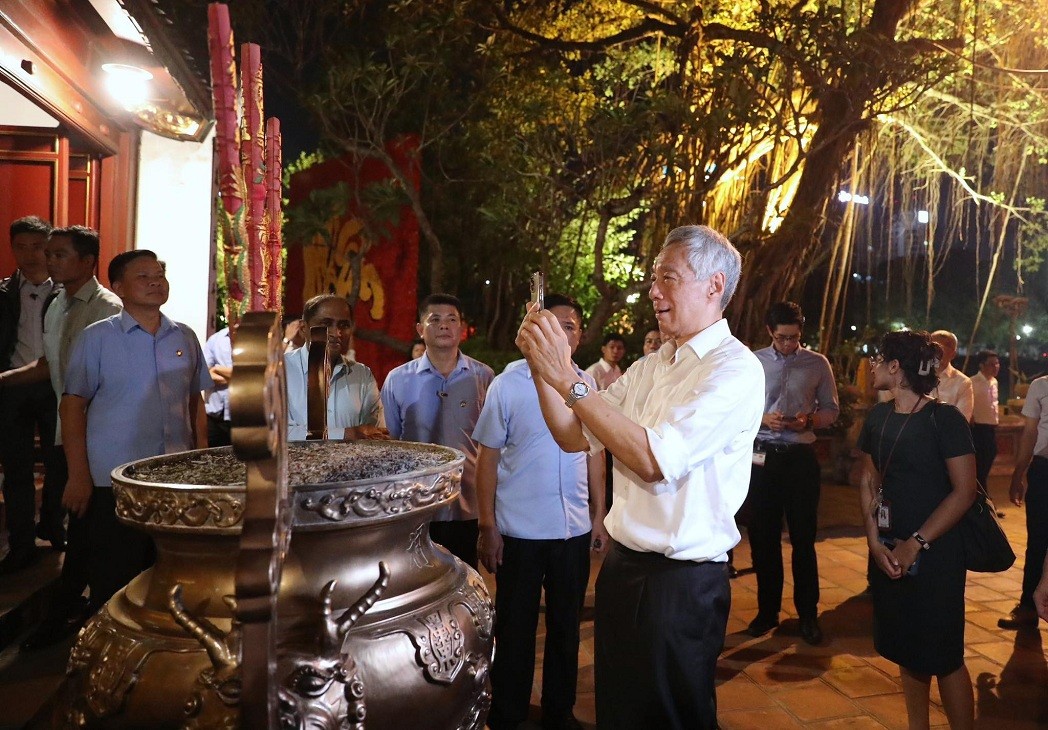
[708,252]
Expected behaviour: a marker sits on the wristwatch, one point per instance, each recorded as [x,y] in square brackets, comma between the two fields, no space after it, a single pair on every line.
[577,392]
[925,545]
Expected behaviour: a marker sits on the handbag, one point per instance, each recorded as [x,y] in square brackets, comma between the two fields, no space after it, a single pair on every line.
[986,547]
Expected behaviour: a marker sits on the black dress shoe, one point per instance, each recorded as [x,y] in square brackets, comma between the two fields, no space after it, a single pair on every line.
[19,559]
[57,626]
[1021,617]
[561,722]
[761,625]
[810,631]
[54,534]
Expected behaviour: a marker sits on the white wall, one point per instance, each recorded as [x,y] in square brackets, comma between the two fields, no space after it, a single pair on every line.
[175,220]
[17,111]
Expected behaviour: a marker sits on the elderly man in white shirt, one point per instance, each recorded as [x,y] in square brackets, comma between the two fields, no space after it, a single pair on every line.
[354,408]
[954,387]
[985,415]
[681,425]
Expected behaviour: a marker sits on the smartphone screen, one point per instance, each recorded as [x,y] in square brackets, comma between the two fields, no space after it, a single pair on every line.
[538,288]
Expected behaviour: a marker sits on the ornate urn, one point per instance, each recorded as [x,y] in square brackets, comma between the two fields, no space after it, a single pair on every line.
[374,627]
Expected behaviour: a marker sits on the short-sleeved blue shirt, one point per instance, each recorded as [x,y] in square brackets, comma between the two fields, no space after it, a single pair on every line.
[542,492]
[420,404]
[139,386]
[218,350]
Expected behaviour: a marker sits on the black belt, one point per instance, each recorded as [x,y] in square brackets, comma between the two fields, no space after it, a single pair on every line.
[780,447]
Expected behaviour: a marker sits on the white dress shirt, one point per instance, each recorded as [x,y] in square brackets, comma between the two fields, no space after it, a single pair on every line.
[955,388]
[604,373]
[353,398]
[985,394]
[701,406]
[30,343]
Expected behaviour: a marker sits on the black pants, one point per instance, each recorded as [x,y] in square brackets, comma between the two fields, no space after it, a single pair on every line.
[1036,527]
[561,567]
[459,537]
[984,438]
[116,553]
[218,431]
[26,410]
[658,631]
[788,484]
[73,580]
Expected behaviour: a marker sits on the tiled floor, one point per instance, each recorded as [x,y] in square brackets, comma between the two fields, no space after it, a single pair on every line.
[778,681]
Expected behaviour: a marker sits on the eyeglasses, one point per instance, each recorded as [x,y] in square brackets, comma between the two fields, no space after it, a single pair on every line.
[783,339]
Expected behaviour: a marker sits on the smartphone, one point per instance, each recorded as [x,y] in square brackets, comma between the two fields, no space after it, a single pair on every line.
[538,288]
[890,544]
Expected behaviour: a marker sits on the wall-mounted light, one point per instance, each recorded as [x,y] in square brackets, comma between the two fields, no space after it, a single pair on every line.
[129,85]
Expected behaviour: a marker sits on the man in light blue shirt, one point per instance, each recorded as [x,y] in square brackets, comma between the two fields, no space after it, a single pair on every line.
[800,396]
[132,390]
[437,399]
[537,507]
[354,409]
[218,354]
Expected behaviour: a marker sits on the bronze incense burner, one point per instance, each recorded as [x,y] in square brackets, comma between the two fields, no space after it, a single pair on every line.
[374,626]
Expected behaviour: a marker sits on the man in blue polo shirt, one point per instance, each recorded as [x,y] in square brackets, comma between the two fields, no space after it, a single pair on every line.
[537,508]
[436,399]
[132,390]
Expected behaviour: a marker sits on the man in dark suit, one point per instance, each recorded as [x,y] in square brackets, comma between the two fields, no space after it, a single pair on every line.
[27,403]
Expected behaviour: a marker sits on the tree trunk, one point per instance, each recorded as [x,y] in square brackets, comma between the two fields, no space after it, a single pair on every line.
[775,269]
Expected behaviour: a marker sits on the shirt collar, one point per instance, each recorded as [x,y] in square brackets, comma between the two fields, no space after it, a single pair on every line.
[26,284]
[703,342]
[949,371]
[128,323]
[424,363]
[87,292]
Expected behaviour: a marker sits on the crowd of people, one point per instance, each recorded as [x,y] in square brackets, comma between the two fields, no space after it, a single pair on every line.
[653,465]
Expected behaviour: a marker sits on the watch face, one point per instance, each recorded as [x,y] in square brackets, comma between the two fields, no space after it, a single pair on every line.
[579,389]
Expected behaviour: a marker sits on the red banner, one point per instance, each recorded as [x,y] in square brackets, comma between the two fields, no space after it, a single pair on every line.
[388,293]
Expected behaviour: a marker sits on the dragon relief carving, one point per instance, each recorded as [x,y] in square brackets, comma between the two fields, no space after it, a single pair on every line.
[396,499]
[477,666]
[214,701]
[165,508]
[324,690]
[320,691]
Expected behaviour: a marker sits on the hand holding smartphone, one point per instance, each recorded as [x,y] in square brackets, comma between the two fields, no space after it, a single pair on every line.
[538,288]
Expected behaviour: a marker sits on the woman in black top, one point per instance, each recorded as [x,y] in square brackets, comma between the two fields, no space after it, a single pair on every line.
[920,468]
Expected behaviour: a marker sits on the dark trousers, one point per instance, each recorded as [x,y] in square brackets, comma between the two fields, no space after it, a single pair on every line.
[218,431]
[116,553]
[459,537]
[788,484]
[73,580]
[1036,527]
[658,631]
[984,439]
[561,567]
[26,410]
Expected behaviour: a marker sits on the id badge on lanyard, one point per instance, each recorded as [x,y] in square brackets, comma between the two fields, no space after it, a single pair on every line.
[759,455]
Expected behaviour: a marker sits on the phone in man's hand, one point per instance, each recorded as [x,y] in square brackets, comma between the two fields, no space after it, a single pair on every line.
[538,288]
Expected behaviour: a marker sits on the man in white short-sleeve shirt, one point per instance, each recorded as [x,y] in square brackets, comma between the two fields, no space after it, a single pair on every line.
[1030,486]
[681,424]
